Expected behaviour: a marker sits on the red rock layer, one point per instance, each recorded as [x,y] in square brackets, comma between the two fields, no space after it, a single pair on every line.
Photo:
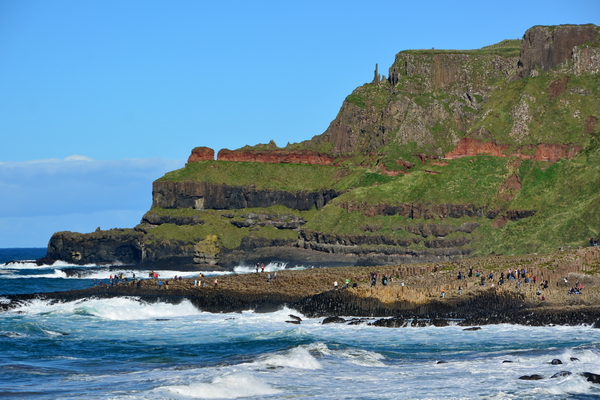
[276,156]
[468,147]
[201,154]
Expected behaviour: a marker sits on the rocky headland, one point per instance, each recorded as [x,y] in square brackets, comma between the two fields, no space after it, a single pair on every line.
[455,154]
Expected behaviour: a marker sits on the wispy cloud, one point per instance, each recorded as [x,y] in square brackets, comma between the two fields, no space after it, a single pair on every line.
[42,193]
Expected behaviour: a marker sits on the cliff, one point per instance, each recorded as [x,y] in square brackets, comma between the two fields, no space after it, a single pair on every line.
[454,154]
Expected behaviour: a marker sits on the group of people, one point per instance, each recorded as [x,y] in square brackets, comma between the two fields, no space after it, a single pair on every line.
[517,276]
[115,279]
[595,242]
[260,266]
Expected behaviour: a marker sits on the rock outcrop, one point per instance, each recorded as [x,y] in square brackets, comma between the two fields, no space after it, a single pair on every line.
[468,147]
[201,154]
[204,195]
[277,156]
[546,47]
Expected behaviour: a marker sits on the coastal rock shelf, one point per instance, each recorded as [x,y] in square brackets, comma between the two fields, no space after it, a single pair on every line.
[415,295]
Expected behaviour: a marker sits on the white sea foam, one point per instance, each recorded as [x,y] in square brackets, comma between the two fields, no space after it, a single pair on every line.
[119,309]
[298,357]
[270,267]
[230,386]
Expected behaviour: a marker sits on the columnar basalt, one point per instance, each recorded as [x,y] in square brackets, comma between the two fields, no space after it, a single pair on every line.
[204,195]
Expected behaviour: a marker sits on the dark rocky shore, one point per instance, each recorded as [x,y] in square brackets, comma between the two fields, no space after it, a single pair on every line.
[415,295]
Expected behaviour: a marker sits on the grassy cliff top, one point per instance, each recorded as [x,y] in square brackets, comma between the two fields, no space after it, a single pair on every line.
[505,48]
[291,177]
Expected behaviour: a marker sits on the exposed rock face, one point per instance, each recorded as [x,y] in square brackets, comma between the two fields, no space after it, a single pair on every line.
[203,195]
[201,154]
[279,221]
[277,156]
[398,116]
[546,47]
[381,249]
[425,211]
[117,245]
[468,147]
[155,219]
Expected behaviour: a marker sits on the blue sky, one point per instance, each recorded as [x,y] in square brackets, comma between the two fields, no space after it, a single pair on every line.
[100,98]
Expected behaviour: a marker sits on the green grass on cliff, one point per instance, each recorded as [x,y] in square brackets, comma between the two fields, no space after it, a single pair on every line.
[218,222]
[566,196]
[290,177]
[547,119]
[472,180]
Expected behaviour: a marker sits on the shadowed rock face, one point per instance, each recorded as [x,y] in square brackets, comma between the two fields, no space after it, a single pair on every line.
[121,245]
[203,195]
[546,47]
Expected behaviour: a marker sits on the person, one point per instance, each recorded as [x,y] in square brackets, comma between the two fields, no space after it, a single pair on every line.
[262,267]
[216,283]
[257,267]
[384,280]
[460,290]
[443,294]
[159,285]
[335,285]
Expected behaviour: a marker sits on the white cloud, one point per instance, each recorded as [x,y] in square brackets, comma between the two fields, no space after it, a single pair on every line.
[76,157]
[41,193]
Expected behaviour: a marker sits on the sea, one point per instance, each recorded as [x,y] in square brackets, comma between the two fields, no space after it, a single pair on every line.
[124,348]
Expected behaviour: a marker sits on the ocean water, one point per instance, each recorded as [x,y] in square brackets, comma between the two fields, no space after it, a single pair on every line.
[126,349]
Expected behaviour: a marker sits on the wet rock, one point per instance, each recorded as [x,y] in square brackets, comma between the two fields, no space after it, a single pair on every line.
[295,317]
[561,374]
[594,378]
[439,322]
[442,362]
[389,322]
[333,320]
[507,361]
[534,377]
[556,361]
[474,328]
[293,322]
[421,323]
[574,359]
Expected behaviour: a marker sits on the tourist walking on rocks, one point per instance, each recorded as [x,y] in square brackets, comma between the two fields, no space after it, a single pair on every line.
[216,283]
[159,285]
[335,285]
[470,272]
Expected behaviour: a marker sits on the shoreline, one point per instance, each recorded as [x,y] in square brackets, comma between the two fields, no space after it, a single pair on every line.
[412,296]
